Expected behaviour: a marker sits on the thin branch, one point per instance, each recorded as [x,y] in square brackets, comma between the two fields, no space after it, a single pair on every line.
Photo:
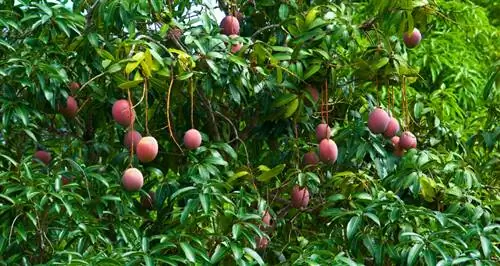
[263,29]
[143,93]
[89,81]
[12,226]
[83,104]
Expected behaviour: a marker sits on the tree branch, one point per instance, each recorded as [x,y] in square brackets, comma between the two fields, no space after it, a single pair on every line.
[88,17]
[223,6]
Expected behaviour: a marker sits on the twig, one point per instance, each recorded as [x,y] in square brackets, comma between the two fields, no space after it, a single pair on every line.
[263,29]
[12,226]
[142,97]
[90,80]
[83,104]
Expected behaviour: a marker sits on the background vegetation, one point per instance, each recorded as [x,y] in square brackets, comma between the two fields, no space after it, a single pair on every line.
[436,205]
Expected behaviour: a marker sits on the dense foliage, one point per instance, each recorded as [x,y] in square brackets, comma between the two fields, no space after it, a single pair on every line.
[301,63]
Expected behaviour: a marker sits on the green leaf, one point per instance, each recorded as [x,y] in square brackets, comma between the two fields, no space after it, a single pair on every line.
[283,11]
[62,26]
[8,198]
[130,84]
[486,246]
[93,39]
[114,68]
[145,244]
[427,188]
[336,197]
[282,57]
[236,176]
[216,161]
[461,261]
[238,60]
[413,254]
[111,198]
[218,254]
[352,226]
[310,17]
[489,86]
[9,159]
[237,251]
[266,176]
[373,217]
[291,108]
[188,251]
[429,257]
[236,231]
[148,260]
[22,114]
[205,202]
[380,63]
[182,191]
[418,109]
[363,196]
[190,206]
[254,255]
[312,70]
[185,76]
[283,49]
[131,67]
[284,99]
